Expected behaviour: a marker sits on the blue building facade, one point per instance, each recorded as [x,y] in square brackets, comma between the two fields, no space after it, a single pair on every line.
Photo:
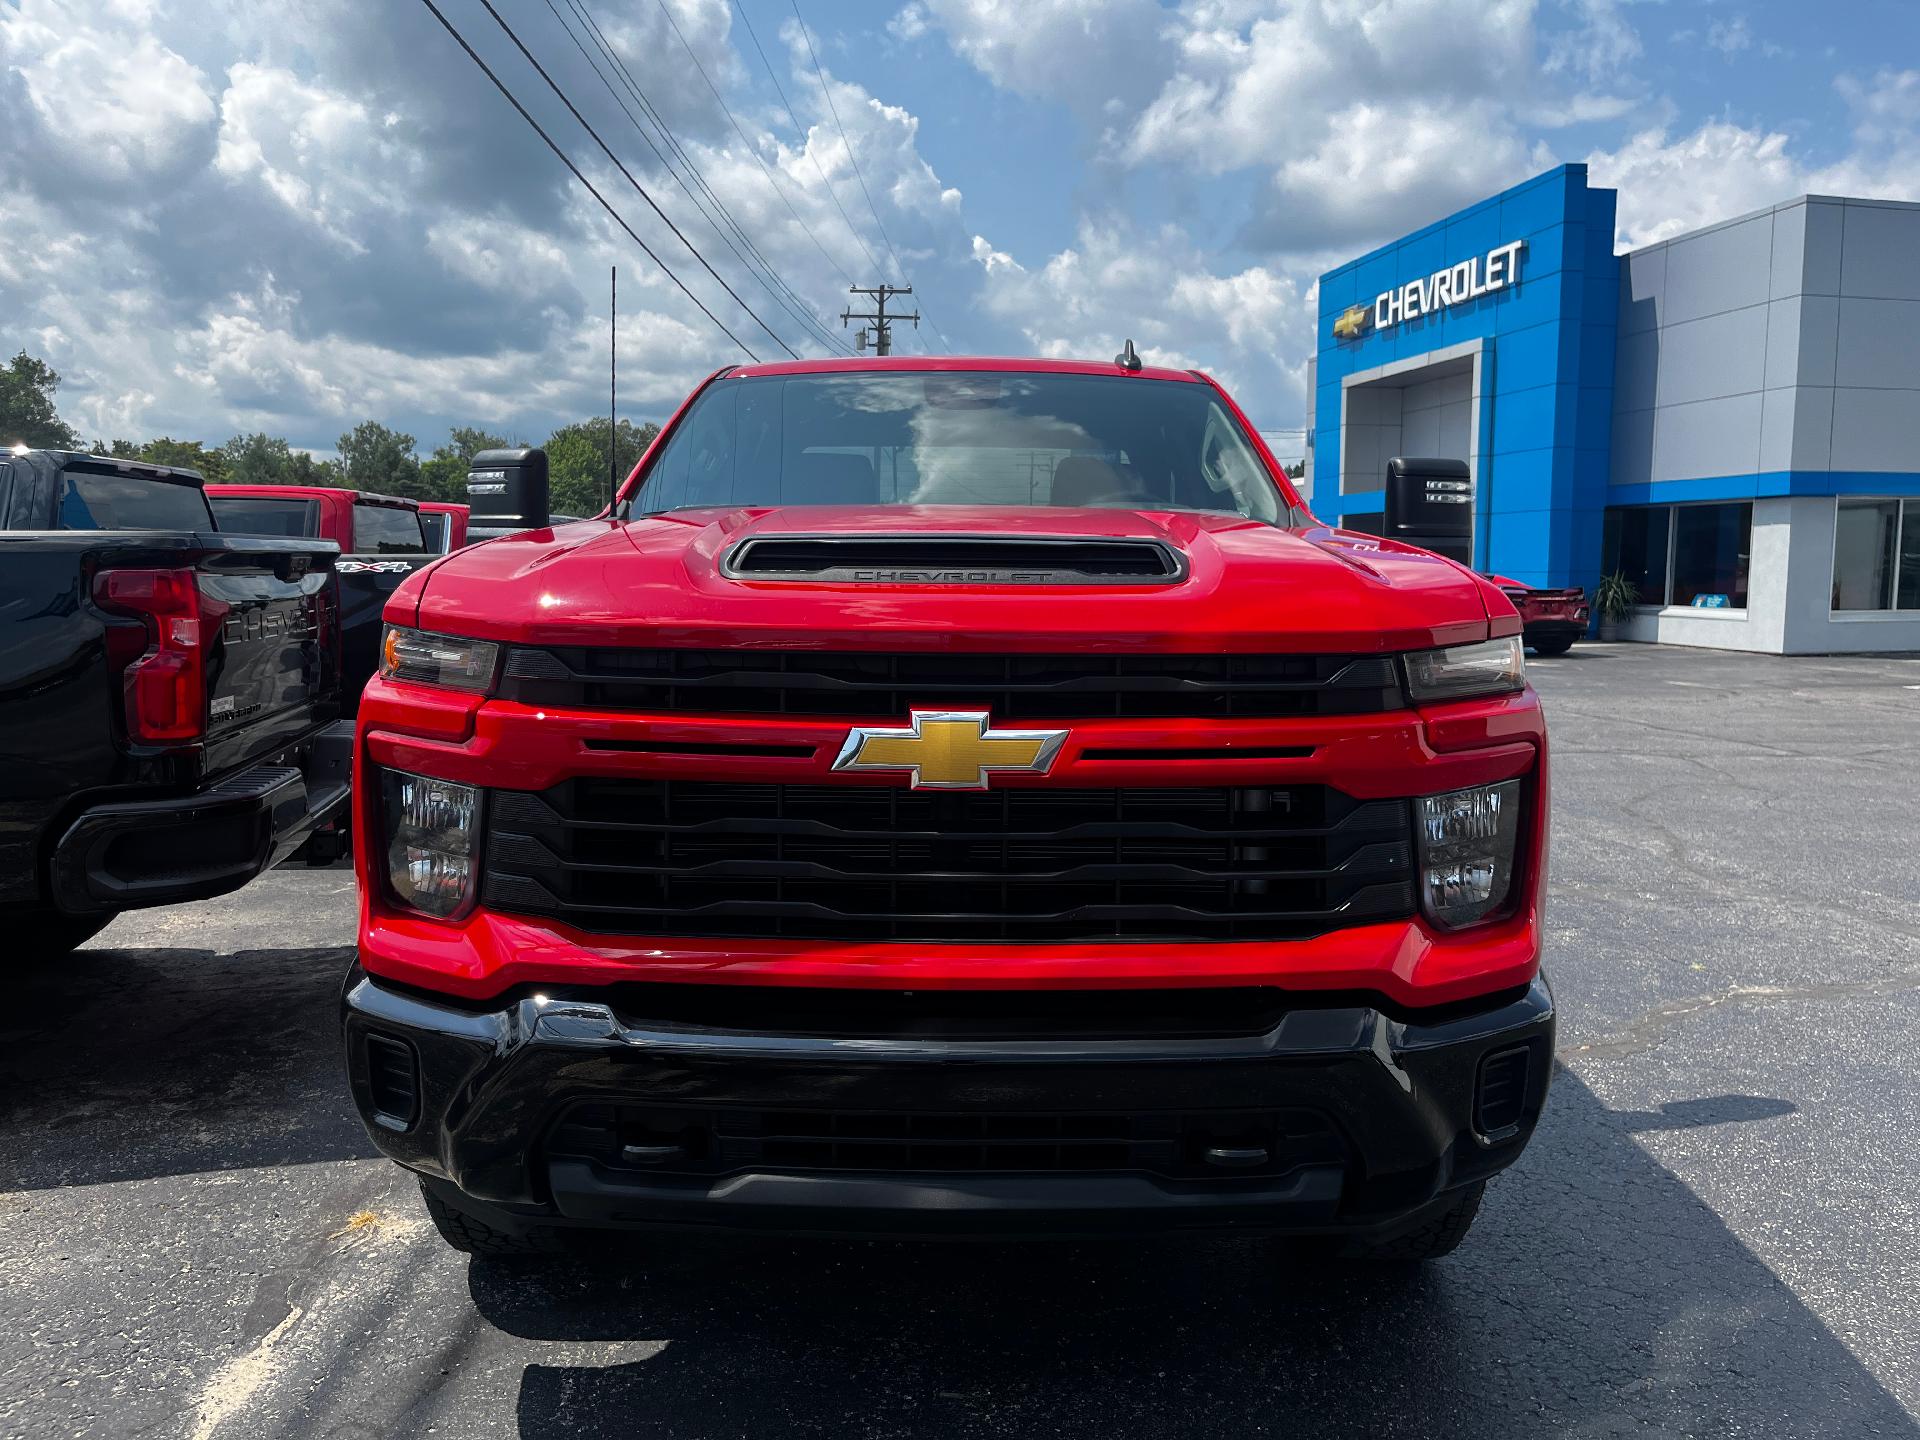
[1730,417]
[1539,351]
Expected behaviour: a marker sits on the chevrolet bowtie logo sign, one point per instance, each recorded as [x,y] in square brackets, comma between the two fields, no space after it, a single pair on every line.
[950,749]
[1353,322]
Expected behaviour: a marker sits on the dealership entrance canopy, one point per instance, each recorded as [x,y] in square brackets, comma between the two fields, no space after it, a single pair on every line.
[1731,417]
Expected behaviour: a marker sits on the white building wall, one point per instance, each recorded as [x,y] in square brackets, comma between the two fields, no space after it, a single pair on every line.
[1787,340]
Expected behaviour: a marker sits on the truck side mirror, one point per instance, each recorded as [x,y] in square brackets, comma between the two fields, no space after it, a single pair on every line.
[1429,503]
[507,491]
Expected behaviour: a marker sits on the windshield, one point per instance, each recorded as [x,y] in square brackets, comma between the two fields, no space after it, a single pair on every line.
[960,438]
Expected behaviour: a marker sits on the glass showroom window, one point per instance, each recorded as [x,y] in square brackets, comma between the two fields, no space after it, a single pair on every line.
[1683,554]
[1876,555]
[1636,545]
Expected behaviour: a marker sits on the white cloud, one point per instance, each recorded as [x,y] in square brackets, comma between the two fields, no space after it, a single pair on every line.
[1088,54]
[330,218]
[910,23]
[1338,102]
[102,102]
[1730,37]
[1599,46]
[1247,327]
[1670,184]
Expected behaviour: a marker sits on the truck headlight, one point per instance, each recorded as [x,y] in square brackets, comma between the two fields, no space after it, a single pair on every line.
[1490,667]
[1466,840]
[433,835]
[446,660]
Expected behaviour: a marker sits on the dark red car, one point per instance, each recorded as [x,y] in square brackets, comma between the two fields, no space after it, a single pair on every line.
[1551,620]
[949,795]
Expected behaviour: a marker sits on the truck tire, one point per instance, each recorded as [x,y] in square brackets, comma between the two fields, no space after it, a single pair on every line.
[1552,647]
[48,934]
[473,1236]
[1438,1235]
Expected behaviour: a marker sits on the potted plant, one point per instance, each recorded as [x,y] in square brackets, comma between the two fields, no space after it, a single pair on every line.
[1615,600]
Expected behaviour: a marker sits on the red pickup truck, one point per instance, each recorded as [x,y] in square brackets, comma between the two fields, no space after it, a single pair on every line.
[951,795]
[382,540]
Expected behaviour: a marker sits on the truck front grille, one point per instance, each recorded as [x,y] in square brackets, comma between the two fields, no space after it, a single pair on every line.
[862,862]
[1012,687]
[724,1140]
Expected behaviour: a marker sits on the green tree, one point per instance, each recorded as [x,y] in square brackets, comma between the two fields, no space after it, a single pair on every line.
[373,457]
[306,470]
[258,459]
[27,416]
[577,469]
[445,474]
[186,455]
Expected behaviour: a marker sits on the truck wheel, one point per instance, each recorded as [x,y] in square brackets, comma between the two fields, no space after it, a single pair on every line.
[1436,1236]
[473,1236]
[1552,647]
[47,934]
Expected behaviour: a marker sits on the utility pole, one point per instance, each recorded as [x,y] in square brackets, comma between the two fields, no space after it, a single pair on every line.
[882,322]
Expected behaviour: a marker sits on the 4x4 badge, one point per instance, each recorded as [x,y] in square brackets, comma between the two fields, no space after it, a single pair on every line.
[950,749]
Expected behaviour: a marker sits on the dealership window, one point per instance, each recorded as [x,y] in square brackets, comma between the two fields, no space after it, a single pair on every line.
[1694,555]
[1876,555]
[1636,546]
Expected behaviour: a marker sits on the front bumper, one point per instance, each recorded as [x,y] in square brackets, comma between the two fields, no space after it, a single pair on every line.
[136,853]
[1388,1115]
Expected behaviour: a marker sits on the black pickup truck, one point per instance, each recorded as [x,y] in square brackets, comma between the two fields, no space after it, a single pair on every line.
[170,697]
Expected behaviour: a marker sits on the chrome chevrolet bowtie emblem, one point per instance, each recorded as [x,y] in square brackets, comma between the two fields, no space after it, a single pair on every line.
[950,749]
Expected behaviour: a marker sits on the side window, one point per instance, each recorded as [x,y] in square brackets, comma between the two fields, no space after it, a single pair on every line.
[387,530]
[6,492]
[696,467]
[1231,469]
[244,515]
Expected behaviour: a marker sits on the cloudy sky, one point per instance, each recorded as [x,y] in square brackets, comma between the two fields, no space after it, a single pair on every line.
[224,216]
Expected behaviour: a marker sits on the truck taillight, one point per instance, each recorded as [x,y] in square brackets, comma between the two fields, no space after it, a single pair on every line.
[165,683]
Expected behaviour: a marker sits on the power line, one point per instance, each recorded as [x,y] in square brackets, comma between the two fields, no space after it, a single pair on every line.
[832,194]
[854,159]
[803,315]
[772,184]
[621,167]
[686,163]
[561,155]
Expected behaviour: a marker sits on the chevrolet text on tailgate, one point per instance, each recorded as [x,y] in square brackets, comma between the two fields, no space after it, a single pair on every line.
[950,796]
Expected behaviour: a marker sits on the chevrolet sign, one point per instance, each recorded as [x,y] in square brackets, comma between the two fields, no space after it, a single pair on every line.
[1457,284]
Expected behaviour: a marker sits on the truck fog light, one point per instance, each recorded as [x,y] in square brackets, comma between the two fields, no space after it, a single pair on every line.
[432,829]
[1467,840]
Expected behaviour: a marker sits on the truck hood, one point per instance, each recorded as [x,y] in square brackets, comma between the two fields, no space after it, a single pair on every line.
[659,580]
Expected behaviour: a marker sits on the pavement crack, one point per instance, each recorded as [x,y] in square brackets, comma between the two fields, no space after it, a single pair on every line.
[1650,1028]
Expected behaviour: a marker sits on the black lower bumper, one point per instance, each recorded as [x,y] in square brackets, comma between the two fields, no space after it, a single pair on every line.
[130,854]
[1553,630]
[568,1111]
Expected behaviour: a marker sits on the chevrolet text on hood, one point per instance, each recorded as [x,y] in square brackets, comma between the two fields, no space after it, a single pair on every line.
[945,795]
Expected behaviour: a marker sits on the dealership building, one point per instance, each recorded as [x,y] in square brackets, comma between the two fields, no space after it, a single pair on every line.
[1731,417]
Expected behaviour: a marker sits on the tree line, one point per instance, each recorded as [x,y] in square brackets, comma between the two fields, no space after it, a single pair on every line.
[372,456]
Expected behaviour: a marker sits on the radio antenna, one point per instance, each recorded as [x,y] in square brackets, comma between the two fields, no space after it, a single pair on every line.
[613,382]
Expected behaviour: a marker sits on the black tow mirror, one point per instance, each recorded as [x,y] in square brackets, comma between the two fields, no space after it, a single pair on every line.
[1429,503]
[507,491]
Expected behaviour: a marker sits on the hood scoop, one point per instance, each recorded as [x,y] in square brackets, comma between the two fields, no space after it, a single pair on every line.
[954,560]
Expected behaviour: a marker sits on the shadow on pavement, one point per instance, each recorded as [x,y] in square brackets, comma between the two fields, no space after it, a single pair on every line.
[1596,1297]
[124,1064]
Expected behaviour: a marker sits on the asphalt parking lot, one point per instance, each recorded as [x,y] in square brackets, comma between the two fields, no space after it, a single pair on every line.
[1716,1231]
